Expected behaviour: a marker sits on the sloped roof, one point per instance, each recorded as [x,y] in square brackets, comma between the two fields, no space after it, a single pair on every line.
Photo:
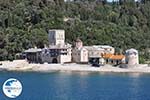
[33,50]
[107,55]
[114,57]
[117,57]
[78,40]
[131,50]
[103,46]
[92,48]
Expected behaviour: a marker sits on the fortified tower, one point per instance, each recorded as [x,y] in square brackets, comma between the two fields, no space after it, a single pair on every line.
[132,57]
[78,43]
[56,37]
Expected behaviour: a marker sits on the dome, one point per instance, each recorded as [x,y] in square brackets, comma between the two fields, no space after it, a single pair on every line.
[78,40]
[131,51]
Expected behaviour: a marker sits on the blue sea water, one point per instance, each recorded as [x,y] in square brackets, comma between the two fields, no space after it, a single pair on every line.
[79,86]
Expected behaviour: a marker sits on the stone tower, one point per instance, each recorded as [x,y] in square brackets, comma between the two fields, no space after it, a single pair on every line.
[132,57]
[56,37]
[78,43]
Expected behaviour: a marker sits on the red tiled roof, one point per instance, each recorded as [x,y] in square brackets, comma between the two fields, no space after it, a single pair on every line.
[114,57]
[107,55]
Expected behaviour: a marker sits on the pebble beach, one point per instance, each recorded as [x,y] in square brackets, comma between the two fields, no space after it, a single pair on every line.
[24,66]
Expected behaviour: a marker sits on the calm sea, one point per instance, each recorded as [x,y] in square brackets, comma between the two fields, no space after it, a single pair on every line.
[80,86]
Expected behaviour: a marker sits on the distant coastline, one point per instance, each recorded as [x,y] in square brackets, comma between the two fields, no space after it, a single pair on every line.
[23,66]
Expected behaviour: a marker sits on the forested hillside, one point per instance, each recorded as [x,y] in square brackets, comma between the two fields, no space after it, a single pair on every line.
[124,24]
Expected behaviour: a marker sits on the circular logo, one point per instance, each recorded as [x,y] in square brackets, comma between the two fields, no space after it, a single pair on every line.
[12,88]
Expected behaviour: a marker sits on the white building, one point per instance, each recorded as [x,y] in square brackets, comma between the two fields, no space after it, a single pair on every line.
[95,54]
[94,51]
[79,53]
[92,54]
[56,54]
[58,51]
[132,57]
[106,48]
[56,37]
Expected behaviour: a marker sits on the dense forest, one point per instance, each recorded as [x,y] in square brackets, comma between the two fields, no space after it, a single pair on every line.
[122,24]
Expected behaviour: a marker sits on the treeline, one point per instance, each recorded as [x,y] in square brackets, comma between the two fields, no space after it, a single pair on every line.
[123,24]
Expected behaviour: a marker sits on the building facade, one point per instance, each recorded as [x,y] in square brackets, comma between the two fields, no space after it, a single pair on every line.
[114,59]
[95,55]
[79,53]
[33,55]
[56,37]
[60,52]
[55,54]
[91,54]
[132,56]
[106,48]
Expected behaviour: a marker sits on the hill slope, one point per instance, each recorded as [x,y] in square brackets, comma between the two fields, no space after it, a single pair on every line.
[24,24]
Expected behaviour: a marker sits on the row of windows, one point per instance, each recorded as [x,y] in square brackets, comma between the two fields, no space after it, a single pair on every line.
[91,53]
[54,54]
[108,49]
[53,50]
[52,36]
[133,53]
[95,53]
[78,54]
